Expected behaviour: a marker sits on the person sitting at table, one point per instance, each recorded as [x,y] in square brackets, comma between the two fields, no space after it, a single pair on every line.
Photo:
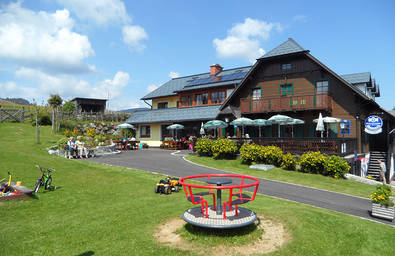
[72,148]
[82,150]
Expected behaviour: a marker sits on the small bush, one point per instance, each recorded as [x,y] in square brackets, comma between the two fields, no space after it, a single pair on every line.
[145,145]
[273,155]
[289,162]
[203,147]
[336,167]
[42,118]
[60,143]
[224,149]
[91,132]
[382,195]
[312,162]
[251,153]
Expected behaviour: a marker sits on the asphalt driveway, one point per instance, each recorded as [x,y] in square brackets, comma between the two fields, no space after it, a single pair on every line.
[173,164]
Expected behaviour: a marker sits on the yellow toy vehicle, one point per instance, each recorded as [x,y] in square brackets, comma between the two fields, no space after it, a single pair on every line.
[167,186]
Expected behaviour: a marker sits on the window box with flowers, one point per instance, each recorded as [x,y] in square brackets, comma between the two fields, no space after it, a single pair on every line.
[382,202]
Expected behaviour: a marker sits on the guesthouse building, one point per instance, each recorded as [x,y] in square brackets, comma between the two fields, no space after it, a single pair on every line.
[287,80]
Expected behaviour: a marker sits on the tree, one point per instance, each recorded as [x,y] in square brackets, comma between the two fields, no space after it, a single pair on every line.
[54,101]
[68,107]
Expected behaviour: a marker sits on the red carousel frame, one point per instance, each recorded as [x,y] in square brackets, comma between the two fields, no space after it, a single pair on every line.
[198,198]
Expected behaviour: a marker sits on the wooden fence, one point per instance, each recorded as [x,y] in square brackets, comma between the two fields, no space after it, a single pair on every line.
[13,115]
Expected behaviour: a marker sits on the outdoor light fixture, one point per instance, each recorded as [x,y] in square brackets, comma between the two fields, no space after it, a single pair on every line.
[227,120]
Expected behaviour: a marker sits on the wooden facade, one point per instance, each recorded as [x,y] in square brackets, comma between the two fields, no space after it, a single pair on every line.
[303,90]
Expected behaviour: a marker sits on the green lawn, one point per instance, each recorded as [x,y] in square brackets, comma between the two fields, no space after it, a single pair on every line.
[103,210]
[306,179]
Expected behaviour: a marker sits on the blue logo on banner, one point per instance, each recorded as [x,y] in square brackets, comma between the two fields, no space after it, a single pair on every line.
[373,125]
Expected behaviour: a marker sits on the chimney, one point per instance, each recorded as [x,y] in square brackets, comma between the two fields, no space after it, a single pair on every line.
[215,69]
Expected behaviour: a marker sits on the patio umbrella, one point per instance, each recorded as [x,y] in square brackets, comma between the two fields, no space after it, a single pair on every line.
[280,119]
[292,123]
[175,127]
[201,129]
[320,125]
[330,120]
[242,121]
[260,123]
[125,126]
[215,124]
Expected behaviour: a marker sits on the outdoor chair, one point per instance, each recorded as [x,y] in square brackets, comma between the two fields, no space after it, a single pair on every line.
[198,198]
[240,199]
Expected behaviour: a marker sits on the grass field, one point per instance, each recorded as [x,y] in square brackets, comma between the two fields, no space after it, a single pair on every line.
[103,210]
[306,179]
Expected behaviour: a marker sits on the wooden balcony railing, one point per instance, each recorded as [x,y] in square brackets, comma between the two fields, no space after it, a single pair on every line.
[286,103]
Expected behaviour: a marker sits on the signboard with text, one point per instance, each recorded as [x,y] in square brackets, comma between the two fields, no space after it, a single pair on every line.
[373,125]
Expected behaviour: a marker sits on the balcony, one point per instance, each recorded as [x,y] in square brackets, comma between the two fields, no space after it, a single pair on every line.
[286,103]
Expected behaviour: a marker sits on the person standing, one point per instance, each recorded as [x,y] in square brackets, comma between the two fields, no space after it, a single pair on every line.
[383,170]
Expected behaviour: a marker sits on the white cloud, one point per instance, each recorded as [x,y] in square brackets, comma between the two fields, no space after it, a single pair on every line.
[133,35]
[65,85]
[152,88]
[173,74]
[101,12]
[43,39]
[244,39]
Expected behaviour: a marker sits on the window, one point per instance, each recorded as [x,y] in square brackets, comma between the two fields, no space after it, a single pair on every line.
[202,99]
[186,100]
[145,131]
[286,66]
[256,93]
[162,105]
[321,86]
[286,89]
[229,92]
[217,97]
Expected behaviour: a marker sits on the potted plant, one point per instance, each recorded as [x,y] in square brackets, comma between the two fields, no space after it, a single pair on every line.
[382,203]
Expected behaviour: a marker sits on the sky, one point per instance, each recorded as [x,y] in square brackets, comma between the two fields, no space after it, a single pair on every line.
[122,50]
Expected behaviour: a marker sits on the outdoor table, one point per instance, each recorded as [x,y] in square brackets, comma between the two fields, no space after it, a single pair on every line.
[219,181]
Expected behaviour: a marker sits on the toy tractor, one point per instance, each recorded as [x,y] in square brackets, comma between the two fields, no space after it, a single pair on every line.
[167,186]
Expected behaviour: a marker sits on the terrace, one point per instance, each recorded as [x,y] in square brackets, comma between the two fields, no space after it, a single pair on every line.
[320,101]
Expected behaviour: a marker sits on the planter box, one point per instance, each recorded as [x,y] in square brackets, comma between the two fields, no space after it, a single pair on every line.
[383,211]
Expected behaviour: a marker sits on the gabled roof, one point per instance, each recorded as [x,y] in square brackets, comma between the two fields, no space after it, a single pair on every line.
[182,83]
[357,78]
[172,115]
[288,47]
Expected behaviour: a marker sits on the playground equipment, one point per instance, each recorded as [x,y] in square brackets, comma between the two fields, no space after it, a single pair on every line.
[220,215]
[167,186]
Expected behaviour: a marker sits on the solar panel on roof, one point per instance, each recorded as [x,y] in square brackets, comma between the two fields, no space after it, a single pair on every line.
[234,76]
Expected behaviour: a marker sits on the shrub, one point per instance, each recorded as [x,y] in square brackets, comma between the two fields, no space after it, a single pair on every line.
[312,162]
[203,147]
[60,143]
[289,162]
[224,149]
[251,153]
[75,132]
[100,138]
[336,167]
[273,155]
[382,195]
[42,118]
[145,145]
[91,132]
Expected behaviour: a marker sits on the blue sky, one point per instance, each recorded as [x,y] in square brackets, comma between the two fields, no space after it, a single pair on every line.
[124,49]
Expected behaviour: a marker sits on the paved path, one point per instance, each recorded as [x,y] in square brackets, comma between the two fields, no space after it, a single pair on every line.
[162,161]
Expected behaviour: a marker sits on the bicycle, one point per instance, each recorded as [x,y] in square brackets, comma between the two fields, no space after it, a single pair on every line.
[6,187]
[45,179]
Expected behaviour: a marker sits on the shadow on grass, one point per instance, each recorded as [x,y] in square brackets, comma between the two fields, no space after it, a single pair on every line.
[87,253]
[213,232]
